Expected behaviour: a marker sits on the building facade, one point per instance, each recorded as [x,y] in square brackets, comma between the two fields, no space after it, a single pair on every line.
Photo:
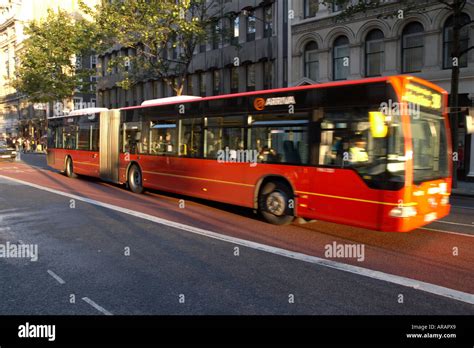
[366,45]
[252,58]
[321,50]
[18,117]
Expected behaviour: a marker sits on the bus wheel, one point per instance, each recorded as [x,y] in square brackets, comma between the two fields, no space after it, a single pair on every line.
[135,181]
[70,168]
[274,205]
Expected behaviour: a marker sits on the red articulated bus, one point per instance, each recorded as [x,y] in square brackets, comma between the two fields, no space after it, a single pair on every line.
[372,153]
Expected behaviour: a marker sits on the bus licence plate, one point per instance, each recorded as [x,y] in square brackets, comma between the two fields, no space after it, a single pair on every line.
[430,217]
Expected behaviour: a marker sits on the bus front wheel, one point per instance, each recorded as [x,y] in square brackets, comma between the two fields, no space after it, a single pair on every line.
[276,203]
[70,168]
[135,180]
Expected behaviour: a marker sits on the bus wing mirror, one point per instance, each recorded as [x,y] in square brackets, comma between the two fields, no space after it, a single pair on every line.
[378,127]
[470,121]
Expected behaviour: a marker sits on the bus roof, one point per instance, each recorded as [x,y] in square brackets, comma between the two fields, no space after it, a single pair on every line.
[176,100]
[171,100]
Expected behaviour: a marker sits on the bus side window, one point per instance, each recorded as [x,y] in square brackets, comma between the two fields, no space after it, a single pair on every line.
[164,137]
[190,138]
[131,137]
[224,132]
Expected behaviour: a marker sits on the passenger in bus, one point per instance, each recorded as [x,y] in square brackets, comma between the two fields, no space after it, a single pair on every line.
[358,152]
[268,155]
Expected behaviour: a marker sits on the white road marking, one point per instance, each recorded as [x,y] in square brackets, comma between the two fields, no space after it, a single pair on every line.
[96,306]
[390,278]
[453,223]
[55,276]
[448,232]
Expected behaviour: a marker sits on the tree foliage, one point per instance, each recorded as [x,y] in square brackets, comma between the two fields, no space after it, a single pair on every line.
[162,34]
[47,69]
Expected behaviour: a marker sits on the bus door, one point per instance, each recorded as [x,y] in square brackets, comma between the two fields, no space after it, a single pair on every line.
[109,145]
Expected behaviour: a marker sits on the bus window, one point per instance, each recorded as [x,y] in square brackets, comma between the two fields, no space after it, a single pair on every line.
[163,138]
[280,139]
[346,139]
[70,137]
[131,134]
[95,136]
[190,138]
[222,133]
[84,137]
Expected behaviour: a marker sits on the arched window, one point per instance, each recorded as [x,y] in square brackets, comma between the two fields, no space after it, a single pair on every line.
[448,41]
[341,58]
[412,48]
[311,62]
[374,53]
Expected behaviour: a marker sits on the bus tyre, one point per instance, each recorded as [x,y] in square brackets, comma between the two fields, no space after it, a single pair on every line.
[135,180]
[70,168]
[274,203]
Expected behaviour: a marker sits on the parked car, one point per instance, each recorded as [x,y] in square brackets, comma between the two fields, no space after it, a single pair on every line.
[7,152]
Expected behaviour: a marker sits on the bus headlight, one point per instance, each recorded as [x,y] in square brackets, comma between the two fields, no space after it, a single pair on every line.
[403,212]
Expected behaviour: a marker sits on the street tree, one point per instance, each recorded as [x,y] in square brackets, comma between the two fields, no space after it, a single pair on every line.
[47,69]
[459,48]
[161,34]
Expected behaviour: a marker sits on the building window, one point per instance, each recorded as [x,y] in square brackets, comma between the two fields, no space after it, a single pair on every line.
[202,46]
[190,87]
[341,58]
[7,63]
[250,77]
[268,74]
[374,53]
[310,8]
[93,83]
[251,26]
[216,35]
[77,103]
[311,61]
[93,62]
[336,6]
[234,79]
[448,42]
[216,82]
[412,48]
[202,84]
[236,30]
[268,22]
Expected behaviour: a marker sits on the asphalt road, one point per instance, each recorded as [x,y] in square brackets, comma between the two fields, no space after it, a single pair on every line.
[115,261]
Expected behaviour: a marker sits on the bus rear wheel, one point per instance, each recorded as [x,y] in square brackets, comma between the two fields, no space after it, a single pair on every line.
[135,180]
[274,203]
[70,168]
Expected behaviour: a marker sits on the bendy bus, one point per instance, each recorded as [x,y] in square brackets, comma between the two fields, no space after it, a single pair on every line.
[372,153]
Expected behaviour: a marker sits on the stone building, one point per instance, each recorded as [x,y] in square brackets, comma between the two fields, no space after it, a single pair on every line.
[419,44]
[18,117]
